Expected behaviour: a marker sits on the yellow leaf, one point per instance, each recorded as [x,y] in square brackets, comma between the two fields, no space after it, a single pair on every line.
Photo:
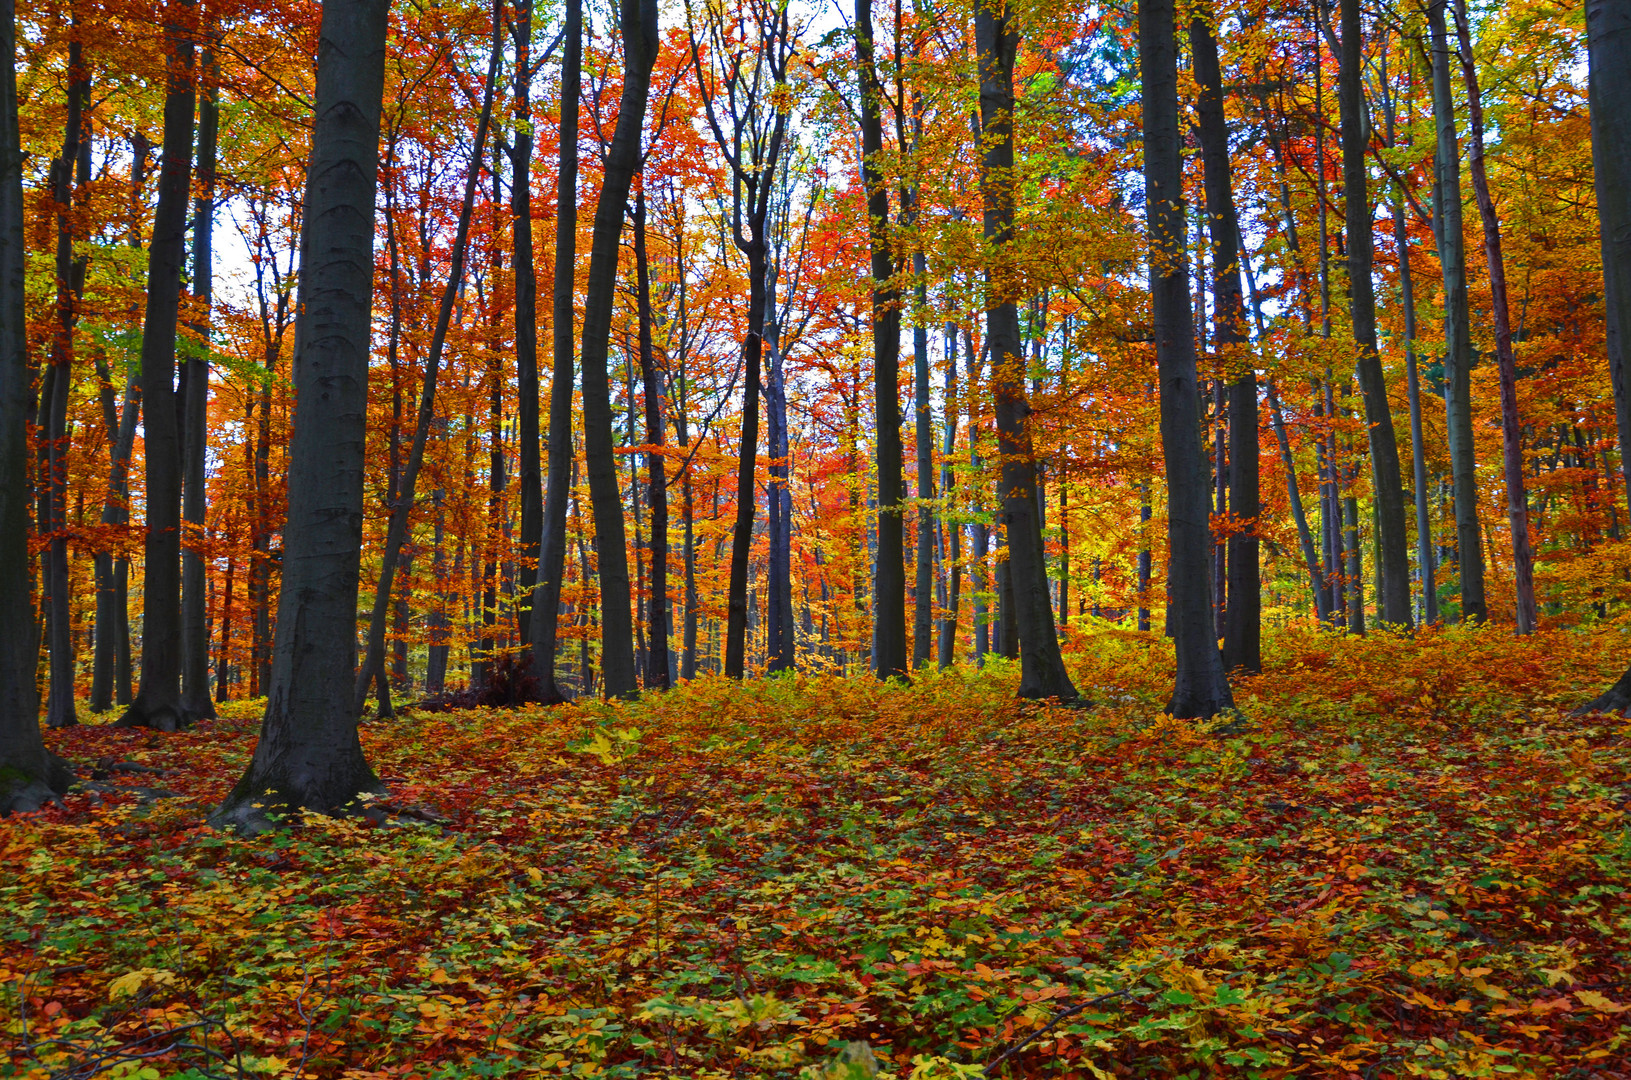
[1591,999]
[129,984]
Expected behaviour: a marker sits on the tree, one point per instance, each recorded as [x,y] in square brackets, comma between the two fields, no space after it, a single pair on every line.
[1452,257]
[1517,502]
[1242,628]
[889,574]
[1392,542]
[1608,33]
[652,382]
[158,701]
[1042,668]
[639,25]
[309,755]
[526,313]
[747,94]
[546,597]
[1201,688]
[29,774]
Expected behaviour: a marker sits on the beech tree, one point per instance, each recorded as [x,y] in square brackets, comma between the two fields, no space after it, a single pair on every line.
[309,755]
[1201,688]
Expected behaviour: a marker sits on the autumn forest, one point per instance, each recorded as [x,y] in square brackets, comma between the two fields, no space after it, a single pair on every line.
[906,538]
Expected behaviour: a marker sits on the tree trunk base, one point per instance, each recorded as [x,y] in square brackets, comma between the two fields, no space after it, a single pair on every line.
[163,716]
[1616,699]
[275,795]
[22,791]
[198,707]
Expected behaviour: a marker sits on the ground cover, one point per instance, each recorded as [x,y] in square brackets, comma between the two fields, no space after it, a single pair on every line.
[1403,859]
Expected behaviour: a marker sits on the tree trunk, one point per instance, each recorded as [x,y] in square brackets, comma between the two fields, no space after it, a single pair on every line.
[195,383]
[782,648]
[397,531]
[546,596]
[639,26]
[656,667]
[1517,503]
[1392,539]
[1458,358]
[309,755]
[1042,669]
[110,599]
[29,774]
[889,584]
[158,701]
[1242,628]
[927,526]
[948,624]
[526,320]
[1608,33]
[1201,688]
[1418,447]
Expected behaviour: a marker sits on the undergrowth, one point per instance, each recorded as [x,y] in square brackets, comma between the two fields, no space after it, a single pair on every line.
[1410,862]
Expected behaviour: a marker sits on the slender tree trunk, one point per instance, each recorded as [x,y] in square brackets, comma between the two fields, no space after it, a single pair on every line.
[1042,669]
[1517,502]
[308,755]
[656,667]
[397,530]
[889,584]
[1242,629]
[70,285]
[195,382]
[29,774]
[223,662]
[1458,357]
[1392,539]
[546,597]
[158,701]
[1201,688]
[526,320]
[927,526]
[1145,511]
[954,580]
[1418,447]
[639,27]
[110,597]
[782,648]
[437,653]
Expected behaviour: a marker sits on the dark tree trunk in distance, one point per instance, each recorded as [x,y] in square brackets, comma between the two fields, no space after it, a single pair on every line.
[309,755]
[656,667]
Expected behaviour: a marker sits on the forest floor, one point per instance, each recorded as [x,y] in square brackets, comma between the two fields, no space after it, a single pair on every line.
[1406,860]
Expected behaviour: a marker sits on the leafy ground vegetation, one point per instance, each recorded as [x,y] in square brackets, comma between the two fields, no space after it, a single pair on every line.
[1402,860]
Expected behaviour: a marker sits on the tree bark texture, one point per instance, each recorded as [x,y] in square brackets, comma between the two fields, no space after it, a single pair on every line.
[309,755]
[526,320]
[1201,688]
[656,666]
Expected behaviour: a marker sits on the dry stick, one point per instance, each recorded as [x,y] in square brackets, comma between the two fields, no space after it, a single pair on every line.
[1058,1019]
[427,399]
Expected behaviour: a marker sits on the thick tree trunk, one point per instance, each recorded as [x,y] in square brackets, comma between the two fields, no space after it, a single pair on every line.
[158,701]
[1392,539]
[546,596]
[309,755]
[1242,628]
[1042,669]
[1458,358]
[397,531]
[656,666]
[1201,688]
[526,320]
[1608,33]
[1517,502]
[195,383]
[639,27]
[29,774]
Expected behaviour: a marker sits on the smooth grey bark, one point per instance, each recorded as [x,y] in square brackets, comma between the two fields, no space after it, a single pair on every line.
[309,756]
[1517,501]
[781,640]
[889,572]
[927,525]
[195,382]
[1608,36]
[639,27]
[526,320]
[1042,668]
[29,774]
[947,652]
[158,701]
[1458,358]
[1418,447]
[1201,686]
[546,596]
[656,660]
[1392,536]
[1242,623]
[397,531]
